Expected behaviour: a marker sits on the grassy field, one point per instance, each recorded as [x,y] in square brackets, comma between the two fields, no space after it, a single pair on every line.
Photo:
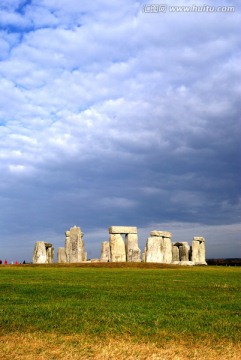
[120,311]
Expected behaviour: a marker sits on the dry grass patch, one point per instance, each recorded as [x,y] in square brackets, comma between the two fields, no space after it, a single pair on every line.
[52,347]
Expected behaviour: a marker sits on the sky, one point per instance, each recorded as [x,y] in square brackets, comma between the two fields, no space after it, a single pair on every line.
[119,113]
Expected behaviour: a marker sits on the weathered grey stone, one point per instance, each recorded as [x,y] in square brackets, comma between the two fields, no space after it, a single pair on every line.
[39,253]
[105,252]
[159,248]
[175,254]
[61,255]
[74,245]
[67,246]
[198,251]
[153,250]
[186,263]
[199,238]
[158,233]
[122,230]
[166,250]
[133,252]
[184,250]
[117,248]
[143,257]
[43,253]
[50,254]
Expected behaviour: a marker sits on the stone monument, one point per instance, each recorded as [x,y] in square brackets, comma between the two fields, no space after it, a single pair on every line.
[43,253]
[74,245]
[121,251]
[198,251]
[159,247]
[74,250]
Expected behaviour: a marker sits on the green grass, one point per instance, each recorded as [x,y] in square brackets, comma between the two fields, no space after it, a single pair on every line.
[165,303]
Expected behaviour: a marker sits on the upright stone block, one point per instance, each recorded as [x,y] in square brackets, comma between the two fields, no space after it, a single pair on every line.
[50,255]
[43,253]
[74,245]
[184,251]
[153,250]
[175,254]
[143,256]
[105,252]
[61,256]
[198,251]
[133,252]
[159,247]
[117,248]
[166,250]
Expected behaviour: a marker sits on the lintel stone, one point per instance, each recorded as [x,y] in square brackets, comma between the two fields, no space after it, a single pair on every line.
[48,245]
[178,243]
[199,238]
[165,234]
[122,230]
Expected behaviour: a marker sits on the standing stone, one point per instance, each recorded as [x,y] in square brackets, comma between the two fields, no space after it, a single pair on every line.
[133,253]
[175,254]
[181,251]
[153,250]
[105,252]
[130,252]
[61,256]
[166,250]
[143,255]
[50,254]
[198,251]
[43,253]
[74,245]
[159,247]
[39,253]
[184,251]
[67,246]
[117,248]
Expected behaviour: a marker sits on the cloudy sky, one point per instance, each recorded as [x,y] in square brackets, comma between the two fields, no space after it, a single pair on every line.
[110,115]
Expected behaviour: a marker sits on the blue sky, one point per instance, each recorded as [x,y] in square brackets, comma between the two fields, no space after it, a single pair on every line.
[113,116]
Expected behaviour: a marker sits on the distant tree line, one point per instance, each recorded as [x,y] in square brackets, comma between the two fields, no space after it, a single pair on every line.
[225,262]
